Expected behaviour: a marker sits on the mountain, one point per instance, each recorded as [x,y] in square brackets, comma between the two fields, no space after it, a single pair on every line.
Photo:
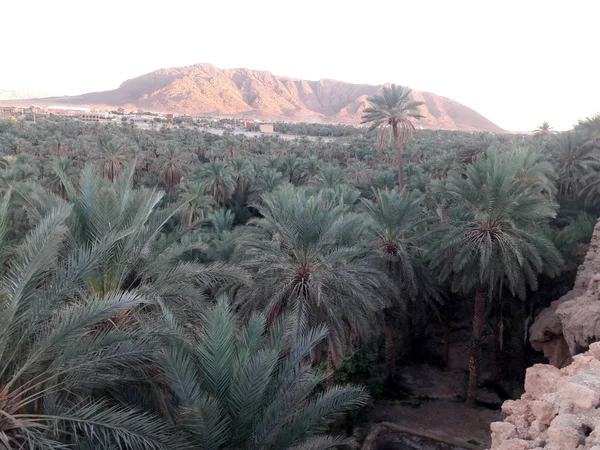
[14,94]
[205,89]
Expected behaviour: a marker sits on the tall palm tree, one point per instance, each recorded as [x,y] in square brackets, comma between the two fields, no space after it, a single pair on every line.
[496,241]
[311,263]
[252,386]
[544,131]
[393,218]
[393,111]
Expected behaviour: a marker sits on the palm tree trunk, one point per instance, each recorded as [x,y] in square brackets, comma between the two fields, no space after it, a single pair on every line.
[390,342]
[475,350]
[446,354]
[398,147]
[447,332]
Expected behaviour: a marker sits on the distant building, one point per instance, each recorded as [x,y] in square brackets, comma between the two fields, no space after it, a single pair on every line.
[10,111]
[249,125]
[266,128]
[169,116]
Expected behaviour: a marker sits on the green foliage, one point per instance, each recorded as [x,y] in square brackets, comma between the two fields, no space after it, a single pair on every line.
[363,367]
[573,240]
[310,258]
[492,238]
[242,386]
[113,329]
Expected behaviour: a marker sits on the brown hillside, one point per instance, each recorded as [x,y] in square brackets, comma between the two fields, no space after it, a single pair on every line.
[205,89]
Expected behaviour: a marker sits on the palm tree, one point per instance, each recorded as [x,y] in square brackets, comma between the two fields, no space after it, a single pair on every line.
[329,177]
[393,110]
[544,131]
[574,161]
[217,177]
[173,165]
[267,180]
[252,386]
[311,263]
[129,227]
[112,156]
[59,364]
[495,241]
[590,127]
[67,168]
[393,218]
[291,167]
[193,192]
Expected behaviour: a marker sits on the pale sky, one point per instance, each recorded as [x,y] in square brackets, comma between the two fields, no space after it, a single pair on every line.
[517,62]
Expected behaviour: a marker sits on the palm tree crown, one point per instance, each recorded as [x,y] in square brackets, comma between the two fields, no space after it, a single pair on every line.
[311,261]
[252,386]
[392,112]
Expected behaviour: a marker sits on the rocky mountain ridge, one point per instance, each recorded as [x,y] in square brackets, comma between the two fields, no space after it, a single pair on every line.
[205,89]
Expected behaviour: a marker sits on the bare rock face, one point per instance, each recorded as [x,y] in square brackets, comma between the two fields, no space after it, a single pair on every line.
[571,323]
[559,409]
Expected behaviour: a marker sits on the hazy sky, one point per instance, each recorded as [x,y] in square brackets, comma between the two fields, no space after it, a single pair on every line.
[516,62]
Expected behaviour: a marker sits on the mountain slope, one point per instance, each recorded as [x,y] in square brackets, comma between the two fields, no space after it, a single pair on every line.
[205,89]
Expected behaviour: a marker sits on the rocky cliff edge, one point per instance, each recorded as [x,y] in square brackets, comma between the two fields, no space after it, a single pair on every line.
[559,409]
[572,323]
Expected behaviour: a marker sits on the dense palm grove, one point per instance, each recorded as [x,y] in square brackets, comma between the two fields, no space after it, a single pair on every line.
[174,289]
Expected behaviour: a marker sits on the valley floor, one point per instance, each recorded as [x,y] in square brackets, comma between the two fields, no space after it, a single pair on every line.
[449,421]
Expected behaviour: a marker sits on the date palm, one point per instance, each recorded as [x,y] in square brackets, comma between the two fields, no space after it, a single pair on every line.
[393,219]
[590,127]
[393,112]
[59,364]
[217,177]
[252,387]
[311,263]
[129,226]
[193,193]
[544,131]
[291,168]
[496,241]
[574,160]
[173,164]
[267,180]
[112,156]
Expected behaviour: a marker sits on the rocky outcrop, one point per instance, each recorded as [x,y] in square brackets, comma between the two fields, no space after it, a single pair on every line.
[572,322]
[559,409]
